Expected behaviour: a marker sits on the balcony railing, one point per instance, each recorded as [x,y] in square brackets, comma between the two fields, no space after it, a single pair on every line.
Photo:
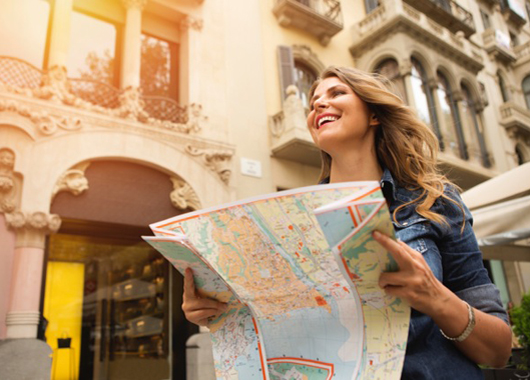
[514,12]
[497,44]
[395,16]
[21,77]
[321,18]
[447,13]
[515,118]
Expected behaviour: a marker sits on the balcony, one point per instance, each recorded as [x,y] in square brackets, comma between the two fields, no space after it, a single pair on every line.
[497,45]
[447,13]
[515,119]
[513,12]
[320,18]
[395,17]
[22,78]
[290,138]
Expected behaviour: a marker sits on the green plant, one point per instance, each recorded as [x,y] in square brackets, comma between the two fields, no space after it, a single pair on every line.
[520,317]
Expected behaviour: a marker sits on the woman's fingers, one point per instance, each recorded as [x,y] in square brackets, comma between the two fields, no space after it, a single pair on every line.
[196,309]
[398,251]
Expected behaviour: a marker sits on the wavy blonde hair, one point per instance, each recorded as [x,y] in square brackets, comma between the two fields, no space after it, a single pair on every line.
[404,144]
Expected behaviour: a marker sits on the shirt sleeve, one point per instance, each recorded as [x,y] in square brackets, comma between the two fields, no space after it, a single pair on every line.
[463,269]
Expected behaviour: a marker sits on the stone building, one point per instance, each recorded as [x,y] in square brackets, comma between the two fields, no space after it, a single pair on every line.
[116,114]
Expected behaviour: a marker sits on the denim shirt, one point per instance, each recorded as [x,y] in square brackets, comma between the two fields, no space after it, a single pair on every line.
[455,259]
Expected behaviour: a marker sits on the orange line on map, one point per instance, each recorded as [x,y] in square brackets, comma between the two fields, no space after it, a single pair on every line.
[354,220]
[264,370]
[307,362]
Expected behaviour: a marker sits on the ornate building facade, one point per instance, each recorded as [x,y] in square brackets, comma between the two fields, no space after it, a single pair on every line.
[117,114]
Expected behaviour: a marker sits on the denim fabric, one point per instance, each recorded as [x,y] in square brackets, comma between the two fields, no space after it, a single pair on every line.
[455,259]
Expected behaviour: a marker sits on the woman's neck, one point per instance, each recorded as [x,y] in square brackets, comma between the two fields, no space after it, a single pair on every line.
[355,167]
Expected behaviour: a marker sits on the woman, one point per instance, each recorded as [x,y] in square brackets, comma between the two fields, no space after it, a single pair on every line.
[365,132]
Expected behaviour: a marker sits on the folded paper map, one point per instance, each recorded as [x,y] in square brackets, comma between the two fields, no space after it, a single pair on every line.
[299,270]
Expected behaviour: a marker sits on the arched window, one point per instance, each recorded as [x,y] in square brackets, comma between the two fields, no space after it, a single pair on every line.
[390,69]
[305,77]
[450,127]
[526,91]
[506,96]
[473,123]
[423,99]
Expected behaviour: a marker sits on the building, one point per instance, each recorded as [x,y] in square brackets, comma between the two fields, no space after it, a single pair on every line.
[116,114]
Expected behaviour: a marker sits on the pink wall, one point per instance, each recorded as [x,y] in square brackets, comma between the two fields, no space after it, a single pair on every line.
[7,253]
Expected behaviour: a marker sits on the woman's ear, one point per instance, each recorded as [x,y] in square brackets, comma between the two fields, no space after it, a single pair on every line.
[373,120]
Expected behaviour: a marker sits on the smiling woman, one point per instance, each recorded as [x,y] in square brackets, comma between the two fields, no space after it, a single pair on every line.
[365,132]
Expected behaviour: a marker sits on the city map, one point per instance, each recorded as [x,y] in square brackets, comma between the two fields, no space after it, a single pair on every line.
[299,270]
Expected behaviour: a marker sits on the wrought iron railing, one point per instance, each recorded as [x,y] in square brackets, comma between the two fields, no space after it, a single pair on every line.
[162,108]
[18,73]
[456,10]
[21,75]
[328,8]
[95,92]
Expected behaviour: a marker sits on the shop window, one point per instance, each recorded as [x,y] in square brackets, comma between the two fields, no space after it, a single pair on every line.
[526,91]
[505,93]
[23,24]
[159,67]
[389,68]
[92,54]
[473,122]
[450,125]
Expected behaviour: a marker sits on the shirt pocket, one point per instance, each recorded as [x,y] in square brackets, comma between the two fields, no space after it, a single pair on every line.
[412,231]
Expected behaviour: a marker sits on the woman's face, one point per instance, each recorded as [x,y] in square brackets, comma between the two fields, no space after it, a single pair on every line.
[339,119]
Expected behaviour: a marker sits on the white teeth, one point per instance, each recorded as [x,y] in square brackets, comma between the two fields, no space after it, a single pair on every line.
[327,118]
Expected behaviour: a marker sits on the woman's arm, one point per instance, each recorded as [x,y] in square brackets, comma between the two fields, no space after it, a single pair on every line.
[490,341]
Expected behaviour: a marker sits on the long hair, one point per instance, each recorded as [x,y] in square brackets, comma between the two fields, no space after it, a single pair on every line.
[404,144]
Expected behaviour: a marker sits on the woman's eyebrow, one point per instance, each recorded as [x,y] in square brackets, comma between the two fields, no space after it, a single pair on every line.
[331,89]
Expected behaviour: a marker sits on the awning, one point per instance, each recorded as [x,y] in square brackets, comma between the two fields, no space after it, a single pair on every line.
[501,213]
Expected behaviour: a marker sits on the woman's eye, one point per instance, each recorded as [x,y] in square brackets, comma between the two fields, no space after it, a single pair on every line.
[336,93]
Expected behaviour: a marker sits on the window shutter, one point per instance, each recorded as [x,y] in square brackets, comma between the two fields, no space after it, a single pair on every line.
[286,66]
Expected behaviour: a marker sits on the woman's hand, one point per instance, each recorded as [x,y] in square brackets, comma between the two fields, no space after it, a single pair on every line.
[414,282]
[490,341]
[196,309]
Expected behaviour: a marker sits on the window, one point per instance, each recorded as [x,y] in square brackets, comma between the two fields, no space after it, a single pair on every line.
[506,96]
[371,5]
[526,91]
[389,68]
[23,24]
[450,127]
[159,67]
[472,121]
[92,52]
[485,19]
[305,77]
[514,41]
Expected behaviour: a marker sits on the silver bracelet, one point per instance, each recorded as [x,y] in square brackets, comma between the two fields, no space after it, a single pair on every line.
[470,326]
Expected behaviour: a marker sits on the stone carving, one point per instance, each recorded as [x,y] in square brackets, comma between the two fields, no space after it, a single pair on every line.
[32,227]
[47,124]
[183,196]
[193,124]
[191,22]
[8,186]
[131,105]
[72,180]
[217,160]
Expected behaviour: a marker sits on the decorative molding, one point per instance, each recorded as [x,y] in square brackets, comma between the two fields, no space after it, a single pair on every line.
[47,124]
[131,105]
[72,180]
[134,4]
[305,54]
[32,227]
[9,183]
[191,22]
[217,160]
[183,196]
[22,324]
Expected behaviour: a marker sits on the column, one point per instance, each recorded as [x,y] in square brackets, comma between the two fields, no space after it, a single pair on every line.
[132,44]
[31,230]
[191,65]
[60,33]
